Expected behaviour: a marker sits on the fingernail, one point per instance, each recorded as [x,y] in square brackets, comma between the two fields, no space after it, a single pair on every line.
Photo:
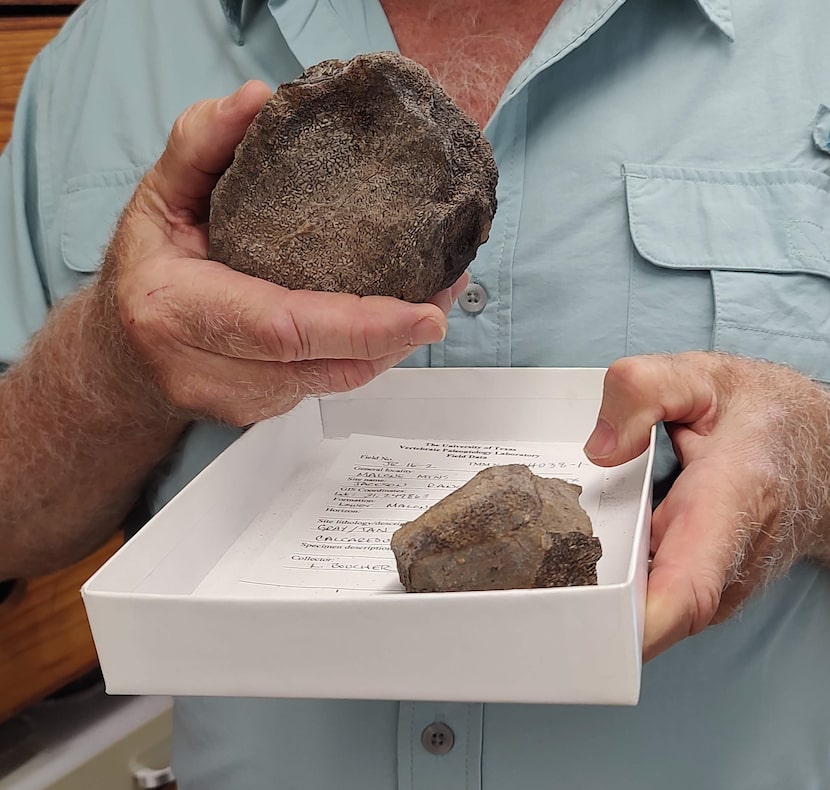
[427,330]
[658,627]
[602,442]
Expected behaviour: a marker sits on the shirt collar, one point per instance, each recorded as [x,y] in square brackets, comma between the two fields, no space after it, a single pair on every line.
[238,12]
[719,13]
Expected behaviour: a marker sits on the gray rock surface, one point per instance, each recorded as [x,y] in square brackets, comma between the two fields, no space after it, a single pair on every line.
[505,529]
[360,176]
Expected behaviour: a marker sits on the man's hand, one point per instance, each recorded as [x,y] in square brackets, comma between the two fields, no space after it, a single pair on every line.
[753,440]
[106,387]
[220,344]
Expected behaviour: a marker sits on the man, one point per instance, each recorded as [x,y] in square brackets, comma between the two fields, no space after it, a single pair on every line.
[663,187]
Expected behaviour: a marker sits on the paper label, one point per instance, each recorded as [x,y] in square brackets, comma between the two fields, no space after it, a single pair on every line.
[338,539]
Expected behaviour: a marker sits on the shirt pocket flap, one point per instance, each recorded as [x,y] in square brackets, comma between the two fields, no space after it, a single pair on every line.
[91,205]
[775,221]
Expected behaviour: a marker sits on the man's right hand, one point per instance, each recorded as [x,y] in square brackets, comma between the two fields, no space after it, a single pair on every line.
[212,342]
[164,336]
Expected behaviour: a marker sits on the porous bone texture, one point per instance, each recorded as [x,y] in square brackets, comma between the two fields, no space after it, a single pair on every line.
[504,529]
[361,177]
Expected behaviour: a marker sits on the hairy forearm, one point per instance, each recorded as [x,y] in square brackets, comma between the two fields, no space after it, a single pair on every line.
[81,429]
[809,504]
[797,433]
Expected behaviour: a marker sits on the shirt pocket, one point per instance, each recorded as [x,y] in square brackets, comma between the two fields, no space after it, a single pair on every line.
[89,208]
[757,241]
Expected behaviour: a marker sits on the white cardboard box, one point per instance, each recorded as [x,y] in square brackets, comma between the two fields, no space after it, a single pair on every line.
[171,614]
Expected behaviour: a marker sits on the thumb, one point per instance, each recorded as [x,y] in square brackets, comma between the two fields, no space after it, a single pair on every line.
[639,392]
[696,551]
[201,146]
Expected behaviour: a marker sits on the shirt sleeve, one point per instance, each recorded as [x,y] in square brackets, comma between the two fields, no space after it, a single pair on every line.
[24,300]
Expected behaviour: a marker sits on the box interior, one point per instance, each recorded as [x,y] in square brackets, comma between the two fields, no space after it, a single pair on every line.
[227,516]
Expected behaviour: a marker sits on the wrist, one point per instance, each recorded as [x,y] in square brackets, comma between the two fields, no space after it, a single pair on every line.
[806,469]
[124,376]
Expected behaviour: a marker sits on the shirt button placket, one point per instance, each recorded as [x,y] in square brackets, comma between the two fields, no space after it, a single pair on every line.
[480,330]
[439,746]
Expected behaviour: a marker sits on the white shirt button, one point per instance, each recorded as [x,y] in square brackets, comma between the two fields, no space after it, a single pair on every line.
[473,299]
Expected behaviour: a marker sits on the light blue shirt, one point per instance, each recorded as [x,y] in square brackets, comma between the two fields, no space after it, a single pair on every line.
[663,186]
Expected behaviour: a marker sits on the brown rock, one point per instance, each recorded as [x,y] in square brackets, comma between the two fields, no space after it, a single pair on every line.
[504,529]
[362,177]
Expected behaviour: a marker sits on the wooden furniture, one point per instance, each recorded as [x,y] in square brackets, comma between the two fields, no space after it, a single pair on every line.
[45,641]
[22,36]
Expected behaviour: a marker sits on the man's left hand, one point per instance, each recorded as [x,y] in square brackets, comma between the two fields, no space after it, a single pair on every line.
[753,440]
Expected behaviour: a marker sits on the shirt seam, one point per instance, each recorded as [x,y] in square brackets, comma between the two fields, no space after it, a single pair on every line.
[467,752]
[114,178]
[44,172]
[75,19]
[775,332]
[411,747]
[795,182]
[632,290]
[498,272]
[598,22]
[799,253]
